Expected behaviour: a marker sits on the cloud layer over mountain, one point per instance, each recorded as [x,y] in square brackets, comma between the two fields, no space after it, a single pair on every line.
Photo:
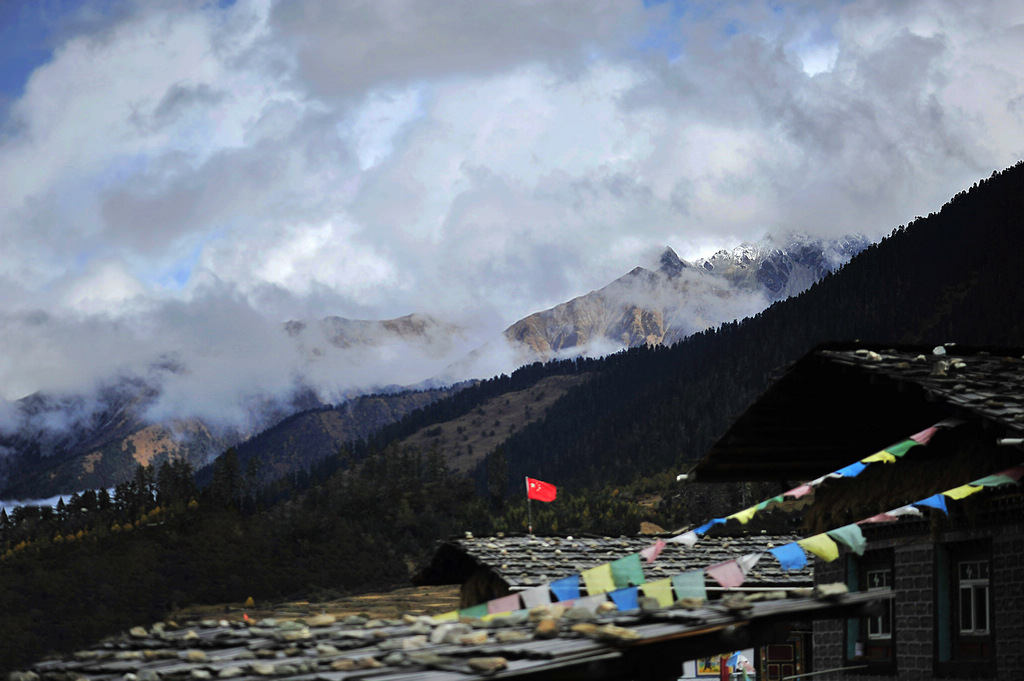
[179,179]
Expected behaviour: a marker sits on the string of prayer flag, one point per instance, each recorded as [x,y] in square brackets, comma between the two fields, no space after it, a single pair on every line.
[623,578]
[888,455]
[892,515]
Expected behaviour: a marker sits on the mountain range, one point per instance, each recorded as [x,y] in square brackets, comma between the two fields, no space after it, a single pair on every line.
[62,443]
[678,298]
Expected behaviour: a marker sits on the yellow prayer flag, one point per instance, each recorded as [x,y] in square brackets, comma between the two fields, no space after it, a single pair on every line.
[452,616]
[882,456]
[822,546]
[599,579]
[743,516]
[962,491]
[660,590]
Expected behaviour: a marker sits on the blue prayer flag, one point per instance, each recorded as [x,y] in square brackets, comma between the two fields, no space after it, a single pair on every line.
[853,470]
[625,599]
[707,526]
[567,589]
[934,501]
[790,556]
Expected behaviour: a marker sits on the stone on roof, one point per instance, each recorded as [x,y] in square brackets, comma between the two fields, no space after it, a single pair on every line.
[523,561]
[635,644]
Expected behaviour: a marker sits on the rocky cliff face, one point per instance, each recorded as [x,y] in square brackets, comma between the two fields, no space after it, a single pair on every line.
[663,305]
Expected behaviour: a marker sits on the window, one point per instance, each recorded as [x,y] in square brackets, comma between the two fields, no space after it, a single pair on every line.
[879,627]
[973,583]
[963,610]
[870,639]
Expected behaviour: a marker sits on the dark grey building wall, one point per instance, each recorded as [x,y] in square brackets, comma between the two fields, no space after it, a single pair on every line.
[915,607]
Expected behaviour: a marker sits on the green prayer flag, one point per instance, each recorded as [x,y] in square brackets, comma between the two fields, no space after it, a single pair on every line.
[477,611]
[994,480]
[628,571]
[850,536]
[764,504]
[690,585]
[901,448]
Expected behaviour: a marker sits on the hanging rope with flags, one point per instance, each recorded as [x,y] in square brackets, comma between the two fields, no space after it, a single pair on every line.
[541,491]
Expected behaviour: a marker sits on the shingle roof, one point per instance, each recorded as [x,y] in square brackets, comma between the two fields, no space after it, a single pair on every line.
[611,646]
[844,401]
[972,383]
[526,560]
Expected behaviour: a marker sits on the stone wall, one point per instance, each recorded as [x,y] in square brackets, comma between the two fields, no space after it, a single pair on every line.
[914,625]
[915,602]
[1007,578]
[829,637]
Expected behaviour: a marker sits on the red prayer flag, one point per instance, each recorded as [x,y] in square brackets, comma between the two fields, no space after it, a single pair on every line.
[728,574]
[652,552]
[540,490]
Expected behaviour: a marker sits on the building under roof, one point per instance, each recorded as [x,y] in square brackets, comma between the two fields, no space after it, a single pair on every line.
[954,569]
[492,567]
[844,399]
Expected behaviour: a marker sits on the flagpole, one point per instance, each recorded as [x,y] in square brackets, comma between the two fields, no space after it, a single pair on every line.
[529,508]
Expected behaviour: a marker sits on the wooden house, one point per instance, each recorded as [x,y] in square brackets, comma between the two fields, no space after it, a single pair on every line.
[956,569]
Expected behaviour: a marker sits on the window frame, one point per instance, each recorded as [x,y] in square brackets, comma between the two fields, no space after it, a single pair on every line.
[959,650]
[877,565]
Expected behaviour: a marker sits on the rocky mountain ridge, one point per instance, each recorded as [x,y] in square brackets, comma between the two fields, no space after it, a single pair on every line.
[678,298]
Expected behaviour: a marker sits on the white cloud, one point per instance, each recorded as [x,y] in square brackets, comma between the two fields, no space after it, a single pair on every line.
[371,159]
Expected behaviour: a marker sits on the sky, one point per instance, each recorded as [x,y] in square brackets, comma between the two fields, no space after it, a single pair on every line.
[180,178]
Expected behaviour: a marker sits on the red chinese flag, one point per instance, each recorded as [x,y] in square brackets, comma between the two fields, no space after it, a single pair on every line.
[540,490]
